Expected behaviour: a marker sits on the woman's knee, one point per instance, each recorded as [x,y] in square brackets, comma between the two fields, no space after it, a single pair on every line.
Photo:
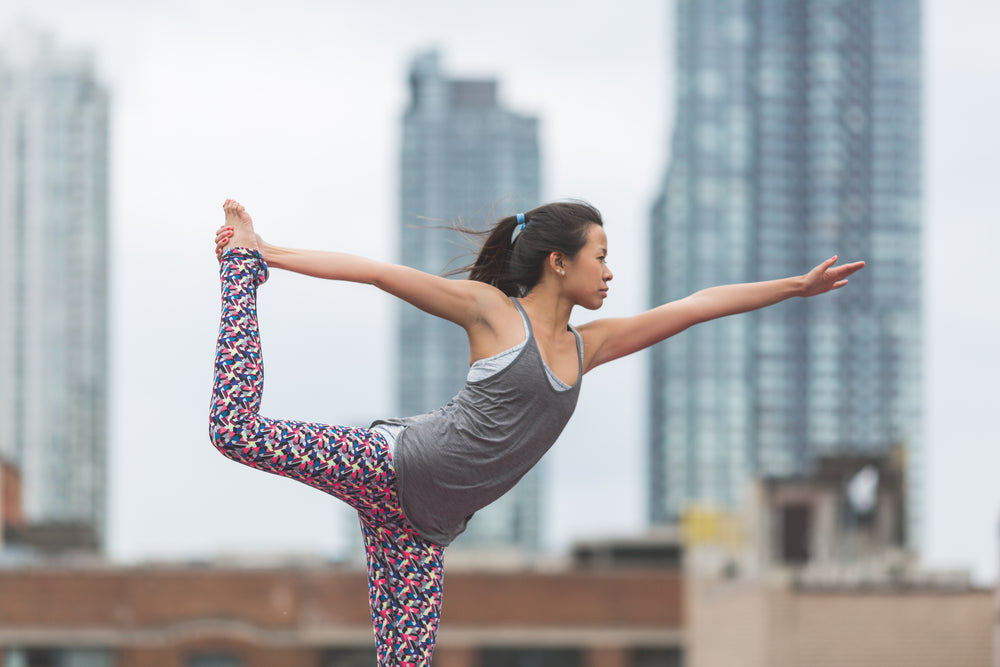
[227,432]
[221,436]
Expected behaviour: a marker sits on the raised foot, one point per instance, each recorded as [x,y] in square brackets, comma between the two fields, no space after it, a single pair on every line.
[239,221]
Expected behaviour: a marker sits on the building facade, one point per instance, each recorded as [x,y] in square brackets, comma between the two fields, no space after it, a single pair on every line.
[773,625]
[797,137]
[813,570]
[54,279]
[466,160]
[318,616]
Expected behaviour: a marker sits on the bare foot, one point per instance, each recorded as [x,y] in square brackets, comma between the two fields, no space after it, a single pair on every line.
[237,218]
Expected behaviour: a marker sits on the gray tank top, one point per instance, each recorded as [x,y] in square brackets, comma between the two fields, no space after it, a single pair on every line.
[455,460]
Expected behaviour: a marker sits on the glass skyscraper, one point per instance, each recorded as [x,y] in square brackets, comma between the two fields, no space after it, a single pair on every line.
[466,160]
[797,137]
[53,279]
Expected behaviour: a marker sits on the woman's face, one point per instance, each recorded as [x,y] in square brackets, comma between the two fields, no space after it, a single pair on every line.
[587,274]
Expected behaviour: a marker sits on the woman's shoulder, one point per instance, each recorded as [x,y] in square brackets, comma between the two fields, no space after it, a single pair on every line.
[500,324]
[493,302]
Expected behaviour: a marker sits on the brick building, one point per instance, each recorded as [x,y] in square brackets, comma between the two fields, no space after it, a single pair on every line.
[204,616]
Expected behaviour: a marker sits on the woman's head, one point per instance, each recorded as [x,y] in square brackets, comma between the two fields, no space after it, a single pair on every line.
[516,266]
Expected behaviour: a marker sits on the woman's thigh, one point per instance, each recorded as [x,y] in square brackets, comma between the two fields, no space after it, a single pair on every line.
[352,464]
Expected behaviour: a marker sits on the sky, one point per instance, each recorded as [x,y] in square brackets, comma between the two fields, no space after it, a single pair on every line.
[296,113]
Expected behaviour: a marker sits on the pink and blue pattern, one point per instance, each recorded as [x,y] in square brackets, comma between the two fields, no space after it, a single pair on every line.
[405,571]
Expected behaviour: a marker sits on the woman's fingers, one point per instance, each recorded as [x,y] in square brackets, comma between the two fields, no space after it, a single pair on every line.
[848,269]
[839,274]
[222,236]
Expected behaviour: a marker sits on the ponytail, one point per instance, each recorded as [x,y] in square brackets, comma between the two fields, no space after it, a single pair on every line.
[494,256]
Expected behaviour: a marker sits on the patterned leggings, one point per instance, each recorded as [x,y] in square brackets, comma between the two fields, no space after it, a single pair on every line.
[353,464]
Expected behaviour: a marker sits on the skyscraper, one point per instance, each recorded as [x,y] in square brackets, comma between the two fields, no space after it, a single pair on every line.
[468,160]
[53,279]
[797,137]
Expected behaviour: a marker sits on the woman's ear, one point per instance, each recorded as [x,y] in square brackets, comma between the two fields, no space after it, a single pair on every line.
[557,262]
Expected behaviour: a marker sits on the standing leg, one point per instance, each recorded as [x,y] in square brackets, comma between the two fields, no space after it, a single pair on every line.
[405,574]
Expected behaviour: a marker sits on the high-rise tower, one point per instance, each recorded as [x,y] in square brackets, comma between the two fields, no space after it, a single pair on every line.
[465,159]
[53,279]
[797,136]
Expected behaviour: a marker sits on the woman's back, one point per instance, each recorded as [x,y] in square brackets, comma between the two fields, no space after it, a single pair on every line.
[456,460]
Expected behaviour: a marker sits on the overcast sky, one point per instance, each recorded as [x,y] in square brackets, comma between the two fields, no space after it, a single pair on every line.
[296,113]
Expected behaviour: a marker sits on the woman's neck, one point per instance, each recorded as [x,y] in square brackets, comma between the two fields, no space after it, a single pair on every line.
[549,312]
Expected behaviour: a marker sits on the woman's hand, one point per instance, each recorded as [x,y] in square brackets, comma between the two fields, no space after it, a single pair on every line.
[222,235]
[827,277]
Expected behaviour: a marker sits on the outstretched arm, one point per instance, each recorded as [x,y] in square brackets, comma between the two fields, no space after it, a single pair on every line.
[610,339]
[463,302]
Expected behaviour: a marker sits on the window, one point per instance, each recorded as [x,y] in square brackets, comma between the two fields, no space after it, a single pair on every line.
[657,657]
[349,657]
[530,657]
[795,533]
[214,660]
[58,657]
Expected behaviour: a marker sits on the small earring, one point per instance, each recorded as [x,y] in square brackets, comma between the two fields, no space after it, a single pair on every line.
[562,272]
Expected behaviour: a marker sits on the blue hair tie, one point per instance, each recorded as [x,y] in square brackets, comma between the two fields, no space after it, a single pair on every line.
[519,227]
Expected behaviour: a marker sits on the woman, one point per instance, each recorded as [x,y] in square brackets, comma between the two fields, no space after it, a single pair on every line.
[415,482]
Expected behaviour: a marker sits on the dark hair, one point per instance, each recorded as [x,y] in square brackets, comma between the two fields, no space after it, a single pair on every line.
[515,268]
